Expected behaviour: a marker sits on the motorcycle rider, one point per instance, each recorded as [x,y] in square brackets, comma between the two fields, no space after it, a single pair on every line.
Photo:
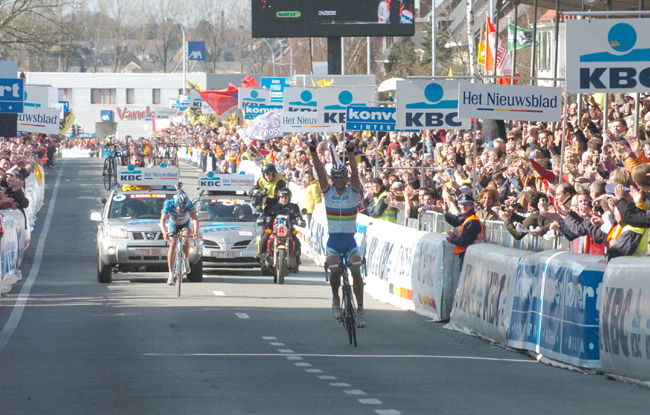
[265,195]
[284,207]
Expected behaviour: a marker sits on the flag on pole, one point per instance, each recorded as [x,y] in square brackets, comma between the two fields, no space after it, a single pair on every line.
[481,53]
[524,37]
[503,59]
[222,100]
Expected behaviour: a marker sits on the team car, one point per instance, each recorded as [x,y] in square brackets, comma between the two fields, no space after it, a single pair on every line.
[230,234]
[128,234]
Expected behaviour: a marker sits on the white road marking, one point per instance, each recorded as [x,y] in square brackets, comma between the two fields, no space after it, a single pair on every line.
[276,344]
[371,401]
[294,358]
[340,385]
[17,311]
[314,371]
[285,350]
[219,293]
[387,412]
[303,364]
[242,315]
[269,338]
[326,377]
[354,392]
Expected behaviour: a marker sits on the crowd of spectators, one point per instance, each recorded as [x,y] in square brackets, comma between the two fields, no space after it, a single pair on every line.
[518,179]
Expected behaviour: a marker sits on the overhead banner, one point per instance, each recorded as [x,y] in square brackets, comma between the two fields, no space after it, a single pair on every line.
[625,318]
[509,102]
[616,57]
[334,101]
[276,86]
[371,119]
[428,105]
[254,96]
[555,306]
[39,120]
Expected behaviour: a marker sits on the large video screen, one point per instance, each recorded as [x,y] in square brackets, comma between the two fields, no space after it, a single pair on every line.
[320,18]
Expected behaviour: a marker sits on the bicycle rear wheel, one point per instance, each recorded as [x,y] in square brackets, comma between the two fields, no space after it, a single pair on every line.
[115,164]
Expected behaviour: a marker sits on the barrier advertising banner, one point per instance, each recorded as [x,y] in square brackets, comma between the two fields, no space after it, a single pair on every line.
[625,318]
[509,102]
[555,306]
[334,101]
[428,105]
[432,276]
[483,302]
[615,59]
[389,258]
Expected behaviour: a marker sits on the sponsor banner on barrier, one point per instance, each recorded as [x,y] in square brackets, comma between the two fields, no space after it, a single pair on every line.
[432,277]
[615,59]
[498,102]
[389,259]
[554,306]
[483,302]
[625,318]
[428,105]
[9,250]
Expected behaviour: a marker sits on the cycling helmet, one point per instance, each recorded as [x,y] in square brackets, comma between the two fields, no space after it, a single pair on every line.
[338,169]
[269,168]
[182,199]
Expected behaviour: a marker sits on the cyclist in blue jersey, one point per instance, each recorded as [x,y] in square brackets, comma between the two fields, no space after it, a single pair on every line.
[175,218]
[341,205]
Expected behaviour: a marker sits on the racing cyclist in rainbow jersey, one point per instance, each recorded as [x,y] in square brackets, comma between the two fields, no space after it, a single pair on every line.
[176,217]
[341,205]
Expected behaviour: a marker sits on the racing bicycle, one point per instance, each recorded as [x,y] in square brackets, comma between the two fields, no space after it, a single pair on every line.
[348,307]
[179,262]
[109,173]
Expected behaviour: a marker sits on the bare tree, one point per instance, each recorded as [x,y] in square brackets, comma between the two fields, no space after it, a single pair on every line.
[165,15]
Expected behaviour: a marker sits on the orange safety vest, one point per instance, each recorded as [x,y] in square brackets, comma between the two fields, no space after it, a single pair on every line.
[232,158]
[479,239]
[218,152]
[613,235]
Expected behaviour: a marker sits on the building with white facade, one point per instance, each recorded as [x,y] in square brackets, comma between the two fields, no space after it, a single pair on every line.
[128,99]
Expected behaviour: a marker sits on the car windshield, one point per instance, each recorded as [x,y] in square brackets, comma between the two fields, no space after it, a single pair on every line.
[138,205]
[227,209]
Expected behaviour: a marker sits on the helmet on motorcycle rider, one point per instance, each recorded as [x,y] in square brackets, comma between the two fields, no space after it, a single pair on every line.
[339,169]
[182,199]
[285,192]
[269,168]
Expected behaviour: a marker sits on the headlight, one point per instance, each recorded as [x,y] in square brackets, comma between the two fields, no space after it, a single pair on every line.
[116,232]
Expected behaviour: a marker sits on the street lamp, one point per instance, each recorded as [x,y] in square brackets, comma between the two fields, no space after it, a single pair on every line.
[272,55]
[184,54]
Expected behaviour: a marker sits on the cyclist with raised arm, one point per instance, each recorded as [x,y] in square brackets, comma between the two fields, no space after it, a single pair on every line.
[341,205]
[175,218]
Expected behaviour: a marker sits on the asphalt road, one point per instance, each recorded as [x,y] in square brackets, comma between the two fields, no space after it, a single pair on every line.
[239,344]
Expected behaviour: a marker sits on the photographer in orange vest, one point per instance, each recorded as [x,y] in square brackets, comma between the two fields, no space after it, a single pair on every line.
[471,229]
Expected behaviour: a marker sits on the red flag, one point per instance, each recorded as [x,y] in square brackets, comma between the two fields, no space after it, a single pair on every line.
[222,100]
[249,82]
[504,61]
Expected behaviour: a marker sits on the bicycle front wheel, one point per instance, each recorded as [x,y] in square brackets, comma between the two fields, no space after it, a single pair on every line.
[348,314]
[178,274]
[114,172]
[106,175]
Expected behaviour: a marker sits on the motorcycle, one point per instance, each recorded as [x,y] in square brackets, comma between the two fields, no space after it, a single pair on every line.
[281,258]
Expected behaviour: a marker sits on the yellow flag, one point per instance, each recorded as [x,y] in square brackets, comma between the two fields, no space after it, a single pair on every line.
[481,53]
[196,87]
[322,83]
[451,73]
[38,173]
[66,123]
